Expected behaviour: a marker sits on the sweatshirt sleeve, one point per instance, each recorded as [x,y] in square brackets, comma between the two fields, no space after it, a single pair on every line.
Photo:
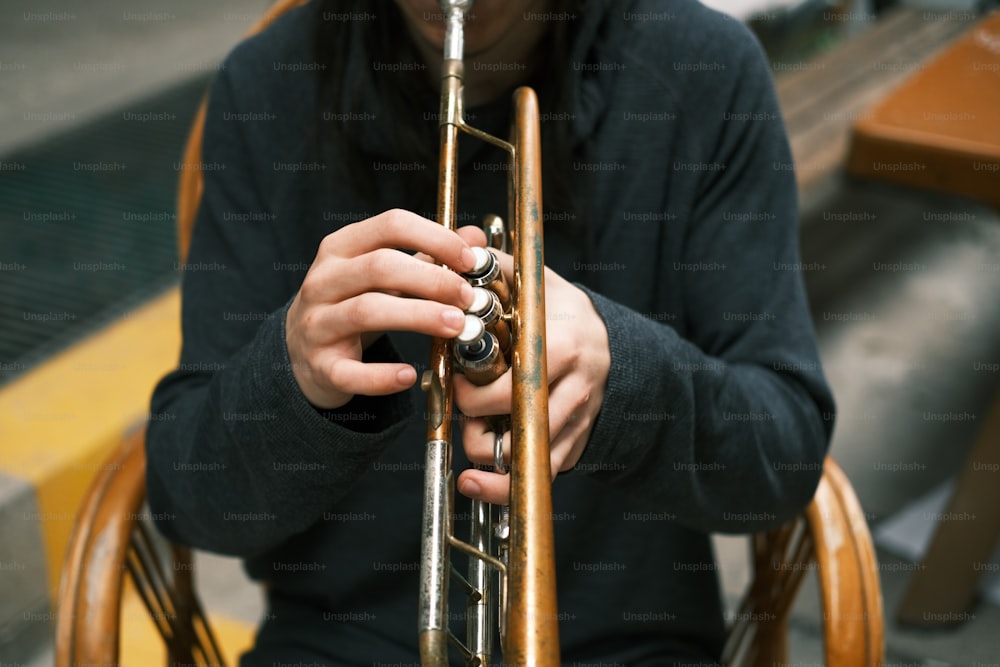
[238,460]
[727,426]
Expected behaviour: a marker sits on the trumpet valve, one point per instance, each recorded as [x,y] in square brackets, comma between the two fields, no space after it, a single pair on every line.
[486,306]
[478,353]
[487,274]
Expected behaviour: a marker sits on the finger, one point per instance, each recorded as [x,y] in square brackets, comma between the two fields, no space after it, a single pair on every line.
[565,400]
[400,229]
[570,422]
[355,377]
[561,357]
[480,448]
[374,311]
[386,270]
[423,257]
[567,447]
[506,265]
[479,442]
[473,235]
[483,401]
[482,485]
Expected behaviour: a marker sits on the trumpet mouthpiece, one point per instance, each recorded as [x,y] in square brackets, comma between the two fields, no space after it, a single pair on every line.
[454,16]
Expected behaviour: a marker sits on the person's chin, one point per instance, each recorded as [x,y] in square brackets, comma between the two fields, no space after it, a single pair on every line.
[477,41]
[479,45]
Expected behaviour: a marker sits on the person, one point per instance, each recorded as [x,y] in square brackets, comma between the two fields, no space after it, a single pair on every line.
[686,393]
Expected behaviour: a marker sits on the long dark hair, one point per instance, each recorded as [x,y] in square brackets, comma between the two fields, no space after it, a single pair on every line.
[380,27]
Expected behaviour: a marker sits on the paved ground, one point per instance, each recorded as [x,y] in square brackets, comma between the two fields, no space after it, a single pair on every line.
[63,62]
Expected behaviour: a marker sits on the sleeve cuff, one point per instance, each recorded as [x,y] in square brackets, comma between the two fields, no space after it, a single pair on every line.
[357,431]
[634,384]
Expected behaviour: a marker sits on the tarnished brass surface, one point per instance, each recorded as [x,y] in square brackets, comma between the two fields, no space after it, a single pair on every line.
[532,621]
[528,616]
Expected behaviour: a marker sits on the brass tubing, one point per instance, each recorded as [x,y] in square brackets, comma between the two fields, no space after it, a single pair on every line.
[532,623]
[529,617]
[433,610]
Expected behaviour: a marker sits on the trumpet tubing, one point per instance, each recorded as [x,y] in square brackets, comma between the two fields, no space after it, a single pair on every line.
[511,580]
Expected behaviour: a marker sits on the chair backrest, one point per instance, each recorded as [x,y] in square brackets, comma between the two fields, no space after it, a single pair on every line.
[191,183]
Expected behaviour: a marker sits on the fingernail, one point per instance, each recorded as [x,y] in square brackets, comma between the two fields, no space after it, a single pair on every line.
[466,293]
[468,258]
[471,489]
[454,318]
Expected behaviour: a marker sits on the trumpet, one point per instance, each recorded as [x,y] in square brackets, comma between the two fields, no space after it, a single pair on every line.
[511,577]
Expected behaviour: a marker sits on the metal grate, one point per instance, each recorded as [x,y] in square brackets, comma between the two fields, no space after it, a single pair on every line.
[87,225]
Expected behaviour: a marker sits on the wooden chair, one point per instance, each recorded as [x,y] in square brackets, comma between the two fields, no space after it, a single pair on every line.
[110,538]
[831,537]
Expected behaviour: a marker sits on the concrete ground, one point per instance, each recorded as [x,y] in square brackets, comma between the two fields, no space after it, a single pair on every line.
[63,63]
[67,63]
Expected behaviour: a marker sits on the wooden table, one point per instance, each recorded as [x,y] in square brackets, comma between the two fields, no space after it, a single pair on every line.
[941,128]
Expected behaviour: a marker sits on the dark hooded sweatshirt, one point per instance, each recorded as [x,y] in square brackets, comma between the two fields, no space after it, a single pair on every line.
[716,415]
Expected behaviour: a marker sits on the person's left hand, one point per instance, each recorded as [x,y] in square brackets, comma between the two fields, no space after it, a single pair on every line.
[579,359]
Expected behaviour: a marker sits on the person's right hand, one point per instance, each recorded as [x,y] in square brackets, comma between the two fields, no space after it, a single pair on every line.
[358,287]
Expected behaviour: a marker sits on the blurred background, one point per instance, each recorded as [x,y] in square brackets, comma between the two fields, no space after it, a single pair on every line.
[904,278]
